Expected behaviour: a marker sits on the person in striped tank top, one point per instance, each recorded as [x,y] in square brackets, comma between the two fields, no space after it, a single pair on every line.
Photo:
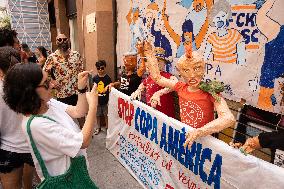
[226,45]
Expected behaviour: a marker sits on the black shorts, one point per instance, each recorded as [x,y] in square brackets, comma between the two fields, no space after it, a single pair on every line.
[102,110]
[70,100]
[12,160]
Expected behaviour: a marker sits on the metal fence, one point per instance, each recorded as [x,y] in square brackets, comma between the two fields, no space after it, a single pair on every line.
[251,122]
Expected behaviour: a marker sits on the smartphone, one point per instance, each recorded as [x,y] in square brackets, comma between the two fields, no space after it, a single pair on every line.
[91,82]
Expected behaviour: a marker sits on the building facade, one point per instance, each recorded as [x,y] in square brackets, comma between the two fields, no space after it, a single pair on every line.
[31,20]
[73,18]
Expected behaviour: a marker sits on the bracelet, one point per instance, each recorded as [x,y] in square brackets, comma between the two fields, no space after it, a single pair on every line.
[82,91]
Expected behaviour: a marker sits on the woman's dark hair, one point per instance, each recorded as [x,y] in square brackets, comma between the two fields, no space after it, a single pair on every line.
[19,88]
[100,63]
[8,58]
[25,47]
[43,51]
[7,37]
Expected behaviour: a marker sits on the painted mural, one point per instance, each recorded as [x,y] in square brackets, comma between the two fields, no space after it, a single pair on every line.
[242,41]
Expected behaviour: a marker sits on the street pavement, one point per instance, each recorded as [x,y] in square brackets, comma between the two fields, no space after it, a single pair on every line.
[105,169]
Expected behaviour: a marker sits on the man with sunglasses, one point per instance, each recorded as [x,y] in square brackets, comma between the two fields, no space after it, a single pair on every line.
[65,65]
[102,79]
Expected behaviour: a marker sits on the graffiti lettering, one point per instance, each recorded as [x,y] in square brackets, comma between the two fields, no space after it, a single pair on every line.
[247,26]
[217,70]
[125,111]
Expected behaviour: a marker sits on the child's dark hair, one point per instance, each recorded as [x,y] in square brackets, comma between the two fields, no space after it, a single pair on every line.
[100,63]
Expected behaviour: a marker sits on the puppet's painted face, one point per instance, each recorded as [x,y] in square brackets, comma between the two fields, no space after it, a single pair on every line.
[220,20]
[192,72]
[140,47]
[130,62]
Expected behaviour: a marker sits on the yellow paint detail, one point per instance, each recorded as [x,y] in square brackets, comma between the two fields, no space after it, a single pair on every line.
[101,87]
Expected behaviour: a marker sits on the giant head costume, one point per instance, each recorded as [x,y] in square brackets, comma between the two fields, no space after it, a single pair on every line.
[130,61]
[191,66]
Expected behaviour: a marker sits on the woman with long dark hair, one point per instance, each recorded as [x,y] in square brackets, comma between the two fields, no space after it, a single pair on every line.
[48,124]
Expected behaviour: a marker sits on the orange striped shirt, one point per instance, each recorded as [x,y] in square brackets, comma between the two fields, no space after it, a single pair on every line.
[224,48]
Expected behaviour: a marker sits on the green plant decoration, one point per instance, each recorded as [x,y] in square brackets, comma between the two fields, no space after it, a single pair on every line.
[212,87]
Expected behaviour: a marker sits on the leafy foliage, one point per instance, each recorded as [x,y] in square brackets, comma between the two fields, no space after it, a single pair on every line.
[212,87]
[5,22]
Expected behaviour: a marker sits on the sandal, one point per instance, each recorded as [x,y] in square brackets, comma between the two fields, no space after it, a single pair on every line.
[97,131]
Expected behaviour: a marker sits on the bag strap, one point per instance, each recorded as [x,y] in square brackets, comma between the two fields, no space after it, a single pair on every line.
[36,152]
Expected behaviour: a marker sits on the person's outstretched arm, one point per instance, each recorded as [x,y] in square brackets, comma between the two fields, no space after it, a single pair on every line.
[87,103]
[152,64]
[136,95]
[81,107]
[155,99]
[272,140]
[91,117]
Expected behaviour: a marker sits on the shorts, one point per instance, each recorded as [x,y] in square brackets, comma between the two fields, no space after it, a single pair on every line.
[12,160]
[102,110]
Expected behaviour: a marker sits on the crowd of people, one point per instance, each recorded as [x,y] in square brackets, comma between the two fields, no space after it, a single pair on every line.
[43,94]
[38,132]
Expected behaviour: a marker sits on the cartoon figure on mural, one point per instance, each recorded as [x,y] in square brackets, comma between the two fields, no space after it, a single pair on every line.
[155,31]
[226,45]
[198,9]
[271,25]
[187,32]
[238,29]
[134,23]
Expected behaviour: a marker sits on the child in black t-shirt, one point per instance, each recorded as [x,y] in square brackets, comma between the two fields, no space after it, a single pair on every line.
[102,80]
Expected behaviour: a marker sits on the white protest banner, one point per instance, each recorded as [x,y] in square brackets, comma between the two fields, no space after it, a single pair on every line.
[150,145]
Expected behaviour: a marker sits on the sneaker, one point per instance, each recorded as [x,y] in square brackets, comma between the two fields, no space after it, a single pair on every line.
[97,131]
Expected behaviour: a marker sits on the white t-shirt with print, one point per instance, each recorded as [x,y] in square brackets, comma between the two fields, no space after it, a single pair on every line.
[56,141]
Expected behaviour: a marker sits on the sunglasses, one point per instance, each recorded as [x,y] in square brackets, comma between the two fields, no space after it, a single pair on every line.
[101,68]
[45,84]
[60,40]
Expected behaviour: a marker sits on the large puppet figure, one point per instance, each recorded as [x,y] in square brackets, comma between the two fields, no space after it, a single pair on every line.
[130,79]
[156,96]
[197,100]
